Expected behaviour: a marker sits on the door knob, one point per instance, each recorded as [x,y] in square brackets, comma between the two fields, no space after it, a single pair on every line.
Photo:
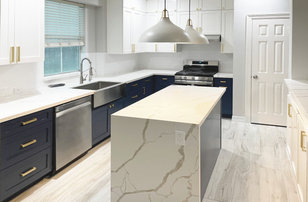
[255,76]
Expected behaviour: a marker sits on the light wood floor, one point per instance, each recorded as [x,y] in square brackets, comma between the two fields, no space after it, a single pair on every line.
[252,166]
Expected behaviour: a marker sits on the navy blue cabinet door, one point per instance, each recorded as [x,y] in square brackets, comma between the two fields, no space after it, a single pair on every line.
[161,82]
[99,124]
[227,99]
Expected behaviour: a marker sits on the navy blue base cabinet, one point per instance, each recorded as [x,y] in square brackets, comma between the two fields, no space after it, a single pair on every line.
[161,82]
[101,120]
[25,151]
[135,91]
[227,99]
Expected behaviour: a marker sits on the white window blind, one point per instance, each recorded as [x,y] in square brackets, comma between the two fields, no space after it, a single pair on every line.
[64,23]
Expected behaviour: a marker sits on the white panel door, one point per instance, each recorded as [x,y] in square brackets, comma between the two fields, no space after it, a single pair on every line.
[208,5]
[182,18]
[227,4]
[210,22]
[183,5]
[302,159]
[29,30]
[127,31]
[270,59]
[227,31]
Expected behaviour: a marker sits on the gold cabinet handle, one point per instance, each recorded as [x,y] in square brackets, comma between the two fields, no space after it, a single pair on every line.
[28,172]
[303,134]
[110,106]
[133,48]
[18,54]
[223,81]
[165,79]
[143,90]
[28,122]
[148,80]
[12,57]
[174,48]
[222,48]
[156,47]
[135,96]
[289,110]
[28,143]
[134,85]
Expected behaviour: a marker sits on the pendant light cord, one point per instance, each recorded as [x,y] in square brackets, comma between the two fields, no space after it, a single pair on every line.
[165,4]
[189,10]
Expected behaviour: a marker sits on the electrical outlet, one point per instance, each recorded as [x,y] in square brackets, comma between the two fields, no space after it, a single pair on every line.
[179,138]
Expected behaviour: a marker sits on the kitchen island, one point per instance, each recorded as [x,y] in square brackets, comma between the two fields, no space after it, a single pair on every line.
[164,147]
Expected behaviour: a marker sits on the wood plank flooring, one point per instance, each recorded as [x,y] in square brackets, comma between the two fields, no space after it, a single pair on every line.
[252,166]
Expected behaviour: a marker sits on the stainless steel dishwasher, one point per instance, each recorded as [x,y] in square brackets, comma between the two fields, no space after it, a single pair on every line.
[73,131]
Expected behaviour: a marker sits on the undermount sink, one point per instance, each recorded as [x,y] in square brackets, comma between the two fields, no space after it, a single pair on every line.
[105,91]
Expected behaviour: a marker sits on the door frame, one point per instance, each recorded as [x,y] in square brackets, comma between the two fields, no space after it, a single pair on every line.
[248,66]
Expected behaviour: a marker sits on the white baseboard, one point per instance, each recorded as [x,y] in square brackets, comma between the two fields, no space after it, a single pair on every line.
[239,119]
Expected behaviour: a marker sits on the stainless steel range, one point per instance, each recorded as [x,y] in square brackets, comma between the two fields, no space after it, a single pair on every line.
[198,73]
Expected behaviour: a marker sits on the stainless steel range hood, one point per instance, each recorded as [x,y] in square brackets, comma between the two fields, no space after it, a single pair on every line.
[213,38]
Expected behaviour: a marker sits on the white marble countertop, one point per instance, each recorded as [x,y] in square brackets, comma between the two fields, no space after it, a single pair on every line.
[44,100]
[223,75]
[183,104]
[17,105]
[299,91]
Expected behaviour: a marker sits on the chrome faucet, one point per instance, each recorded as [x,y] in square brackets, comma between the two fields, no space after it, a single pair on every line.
[82,79]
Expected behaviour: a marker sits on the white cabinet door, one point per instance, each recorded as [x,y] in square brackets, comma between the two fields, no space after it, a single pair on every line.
[302,159]
[210,22]
[29,30]
[182,18]
[6,32]
[227,4]
[183,5]
[227,31]
[127,31]
[138,22]
[152,6]
[208,5]
[151,19]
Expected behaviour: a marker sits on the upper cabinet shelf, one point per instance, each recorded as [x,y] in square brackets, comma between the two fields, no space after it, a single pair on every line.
[21,31]
[128,19]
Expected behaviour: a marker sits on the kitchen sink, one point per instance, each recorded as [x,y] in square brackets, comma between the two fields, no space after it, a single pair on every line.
[105,92]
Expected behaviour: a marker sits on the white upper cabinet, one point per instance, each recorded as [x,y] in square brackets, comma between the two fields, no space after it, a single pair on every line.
[208,5]
[139,5]
[29,30]
[127,31]
[22,31]
[227,4]
[183,5]
[227,31]
[5,26]
[210,22]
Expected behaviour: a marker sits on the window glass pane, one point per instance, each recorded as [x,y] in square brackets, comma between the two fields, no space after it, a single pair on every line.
[70,57]
[52,61]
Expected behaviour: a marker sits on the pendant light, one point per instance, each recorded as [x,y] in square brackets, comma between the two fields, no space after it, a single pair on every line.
[165,31]
[195,36]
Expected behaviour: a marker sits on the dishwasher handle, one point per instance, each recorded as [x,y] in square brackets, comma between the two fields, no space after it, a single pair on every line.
[72,104]
[66,111]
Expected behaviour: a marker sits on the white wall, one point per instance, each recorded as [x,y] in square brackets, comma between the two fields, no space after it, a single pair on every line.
[242,8]
[299,40]
[175,61]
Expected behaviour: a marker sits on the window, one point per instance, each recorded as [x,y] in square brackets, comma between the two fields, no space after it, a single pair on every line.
[64,36]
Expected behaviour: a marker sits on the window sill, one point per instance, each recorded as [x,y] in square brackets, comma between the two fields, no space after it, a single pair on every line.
[64,76]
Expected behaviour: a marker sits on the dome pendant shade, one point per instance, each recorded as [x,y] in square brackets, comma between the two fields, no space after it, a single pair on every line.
[165,32]
[194,35]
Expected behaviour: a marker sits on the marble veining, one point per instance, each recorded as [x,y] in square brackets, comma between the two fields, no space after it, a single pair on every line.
[180,174]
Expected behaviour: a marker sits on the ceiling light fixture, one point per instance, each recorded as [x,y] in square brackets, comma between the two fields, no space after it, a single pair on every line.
[194,35]
[165,31]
